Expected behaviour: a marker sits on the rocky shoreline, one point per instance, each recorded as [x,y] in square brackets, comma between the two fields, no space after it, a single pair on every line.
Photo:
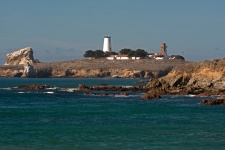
[105,90]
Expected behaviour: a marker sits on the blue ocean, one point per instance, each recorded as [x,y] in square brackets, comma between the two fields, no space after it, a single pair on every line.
[70,120]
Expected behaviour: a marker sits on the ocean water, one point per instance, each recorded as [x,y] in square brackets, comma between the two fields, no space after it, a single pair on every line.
[66,120]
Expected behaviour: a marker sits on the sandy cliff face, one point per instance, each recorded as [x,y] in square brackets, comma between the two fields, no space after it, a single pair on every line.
[11,71]
[105,68]
[107,73]
[95,73]
[21,56]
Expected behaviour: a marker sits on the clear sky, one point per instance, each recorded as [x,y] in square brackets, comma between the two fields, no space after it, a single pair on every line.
[64,30]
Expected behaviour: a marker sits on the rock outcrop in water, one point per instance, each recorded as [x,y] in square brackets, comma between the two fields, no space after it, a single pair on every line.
[213,102]
[203,78]
[150,95]
[21,57]
[106,88]
[33,87]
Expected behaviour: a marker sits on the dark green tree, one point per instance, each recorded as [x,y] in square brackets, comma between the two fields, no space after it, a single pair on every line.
[98,54]
[89,53]
[125,51]
[131,53]
[113,53]
[107,54]
[140,53]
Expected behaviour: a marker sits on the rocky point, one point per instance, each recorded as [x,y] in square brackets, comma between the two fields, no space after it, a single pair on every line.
[21,57]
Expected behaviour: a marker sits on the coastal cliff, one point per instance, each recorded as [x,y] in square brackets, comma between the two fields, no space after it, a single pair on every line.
[199,78]
[99,68]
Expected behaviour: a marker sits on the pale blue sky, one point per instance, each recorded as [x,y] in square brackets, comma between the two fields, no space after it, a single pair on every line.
[64,30]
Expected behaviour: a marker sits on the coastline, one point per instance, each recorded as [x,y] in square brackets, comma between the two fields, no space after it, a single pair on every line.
[145,92]
[100,68]
[166,76]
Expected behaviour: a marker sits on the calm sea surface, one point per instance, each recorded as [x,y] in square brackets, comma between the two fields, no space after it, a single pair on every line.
[65,120]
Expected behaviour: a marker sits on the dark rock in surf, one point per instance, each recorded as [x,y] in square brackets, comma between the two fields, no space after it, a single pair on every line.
[33,87]
[213,102]
[150,95]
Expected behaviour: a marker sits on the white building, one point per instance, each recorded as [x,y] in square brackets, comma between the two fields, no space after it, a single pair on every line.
[136,58]
[107,44]
[111,57]
[122,57]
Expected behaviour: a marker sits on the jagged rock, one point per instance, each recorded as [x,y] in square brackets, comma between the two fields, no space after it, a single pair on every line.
[201,78]
[21,56]
[84,88]
[154,83]
[200,82]
[29,71]
[150,95]
[124,94]
[213,102]
[174,82]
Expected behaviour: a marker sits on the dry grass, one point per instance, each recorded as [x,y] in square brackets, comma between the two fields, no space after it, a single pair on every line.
[144,64]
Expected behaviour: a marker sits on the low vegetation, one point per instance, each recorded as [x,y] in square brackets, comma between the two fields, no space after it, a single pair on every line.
[143,64]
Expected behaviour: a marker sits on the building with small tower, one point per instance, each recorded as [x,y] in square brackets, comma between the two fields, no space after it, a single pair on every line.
[162,54]
[163,49]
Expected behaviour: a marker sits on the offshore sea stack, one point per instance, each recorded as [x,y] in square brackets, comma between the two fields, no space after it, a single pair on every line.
[201,78]
[19,64]
[21,57]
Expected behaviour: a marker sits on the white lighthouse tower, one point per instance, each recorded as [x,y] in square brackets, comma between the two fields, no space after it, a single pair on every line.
[107,44]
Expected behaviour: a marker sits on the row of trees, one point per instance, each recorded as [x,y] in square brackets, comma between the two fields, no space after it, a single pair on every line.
[131,53]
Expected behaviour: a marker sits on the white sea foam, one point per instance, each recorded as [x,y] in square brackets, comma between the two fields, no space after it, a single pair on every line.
[69,89]
[6,88]
[53,88]
[49,92]
[121,95]
[22,92]
[127,86]
[191,95]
